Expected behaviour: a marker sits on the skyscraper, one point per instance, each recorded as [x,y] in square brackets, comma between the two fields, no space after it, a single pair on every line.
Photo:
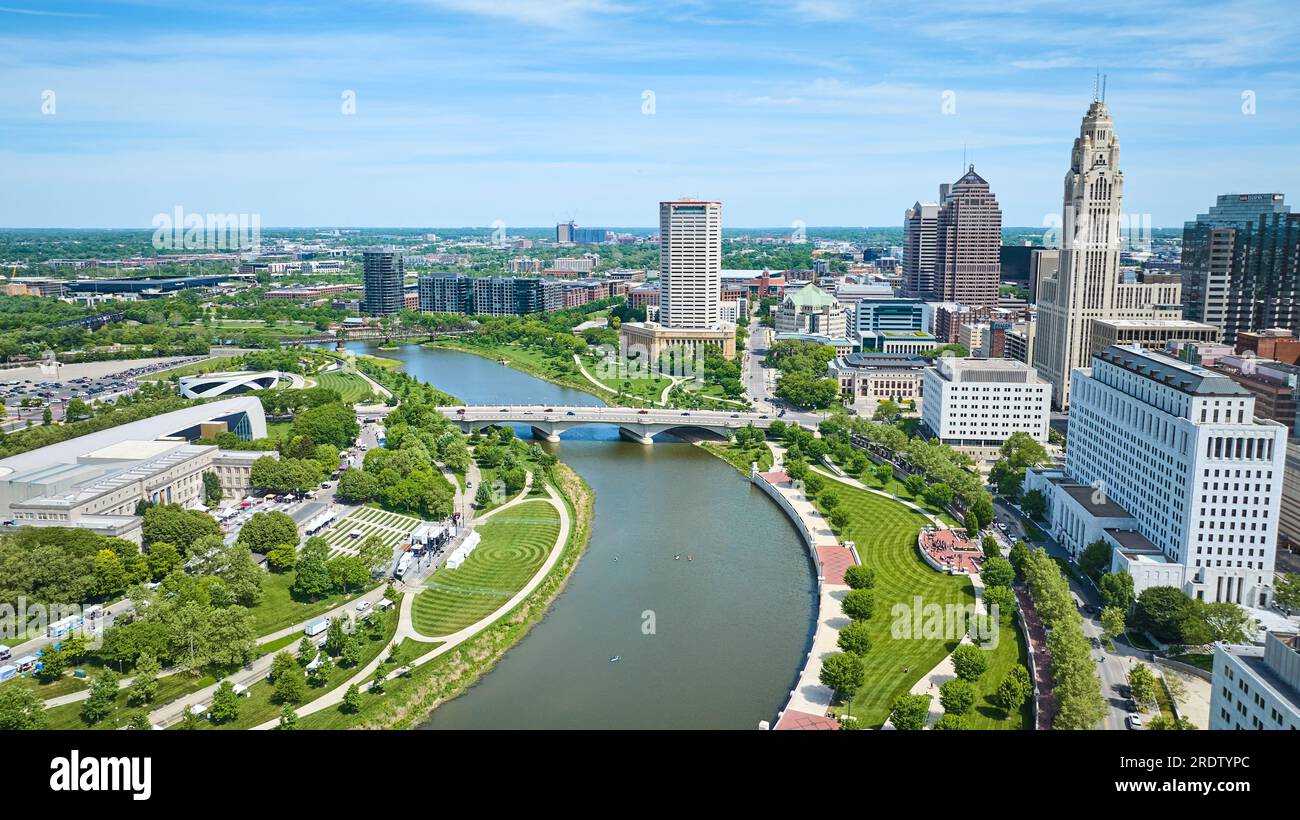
[968,244]
[920,226]
[383,279]
[690,264]
[1086,286]
[1227,284]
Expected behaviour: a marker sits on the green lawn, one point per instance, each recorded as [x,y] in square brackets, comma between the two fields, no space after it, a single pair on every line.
[884,532]
[206,366]
[1201,660]
[260,706]
[1010,650]
[741,457]
[169,688]
[639,385]
[278,608]
[514,545]
[897,488]
[350,386]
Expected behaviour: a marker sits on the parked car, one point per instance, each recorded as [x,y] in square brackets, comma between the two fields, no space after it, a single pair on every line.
[1133,721]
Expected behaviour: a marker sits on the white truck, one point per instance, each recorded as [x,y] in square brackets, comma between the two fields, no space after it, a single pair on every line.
[317,627]
[403,565]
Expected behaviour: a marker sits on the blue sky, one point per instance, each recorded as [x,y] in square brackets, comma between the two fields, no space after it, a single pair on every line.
[470,111]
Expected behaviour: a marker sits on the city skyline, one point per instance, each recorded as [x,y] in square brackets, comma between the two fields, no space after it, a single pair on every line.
[827,113]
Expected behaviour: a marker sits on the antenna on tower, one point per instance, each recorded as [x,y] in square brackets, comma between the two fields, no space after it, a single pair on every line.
[1103,88]
[963,157]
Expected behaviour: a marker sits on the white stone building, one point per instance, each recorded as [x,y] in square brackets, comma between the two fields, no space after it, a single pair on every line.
[1192,481]
[979,403]
[1257,687]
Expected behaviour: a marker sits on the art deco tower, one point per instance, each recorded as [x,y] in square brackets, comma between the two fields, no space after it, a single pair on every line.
[1087,286]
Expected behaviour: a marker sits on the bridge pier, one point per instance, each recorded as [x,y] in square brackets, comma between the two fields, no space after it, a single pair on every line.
[551,435]
[635,435]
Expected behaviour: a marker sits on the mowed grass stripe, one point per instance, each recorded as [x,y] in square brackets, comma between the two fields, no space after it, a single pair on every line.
[514,545]
[885,532]
[350,386]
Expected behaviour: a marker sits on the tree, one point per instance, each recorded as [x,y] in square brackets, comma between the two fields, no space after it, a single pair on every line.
[1095,559]
[212,493]
[375,553]
[969,662]
[859,604]
[225,704]
[1287,590]
[313,580]
[855,638]
[910,712]
[483,496]
[991,547]
[1160,611]
[860,577]
[842,672]
[950,722]
[1117,590]
[938,495]
[54,663]
[1112,621]
[1161,723]
[288,719]
[914,484]
[1208,622]
[972,525]
[144,686]
[21,708]
[1019,451]
[1142,685]
[162,559]
[1001,600]
[884,473]
[357,486]
[103,696]
[1019,552]
[998,572]
[176,525]
[1014,690]
[348,572]
[957,696]
[333,424]
[283,557]
[352,699]
[839,520]
[1034,504]
[110,577]
[267,530]
[290,687]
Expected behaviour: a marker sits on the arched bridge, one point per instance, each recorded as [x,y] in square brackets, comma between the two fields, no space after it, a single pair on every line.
[549,421]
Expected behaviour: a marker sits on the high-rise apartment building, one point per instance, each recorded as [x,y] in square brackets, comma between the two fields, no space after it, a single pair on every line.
[445,293]
[1209,245]
[920,230]
[690,264]
[968,244]
[1169,465]
[383,278]
[1087,284]
[564,233]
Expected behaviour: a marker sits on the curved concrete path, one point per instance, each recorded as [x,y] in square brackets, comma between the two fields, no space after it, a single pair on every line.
[405,628]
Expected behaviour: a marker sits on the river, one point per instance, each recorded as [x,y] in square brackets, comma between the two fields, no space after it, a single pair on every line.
[711,639]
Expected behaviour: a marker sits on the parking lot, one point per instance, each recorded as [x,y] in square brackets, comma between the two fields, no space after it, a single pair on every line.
[86,382]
